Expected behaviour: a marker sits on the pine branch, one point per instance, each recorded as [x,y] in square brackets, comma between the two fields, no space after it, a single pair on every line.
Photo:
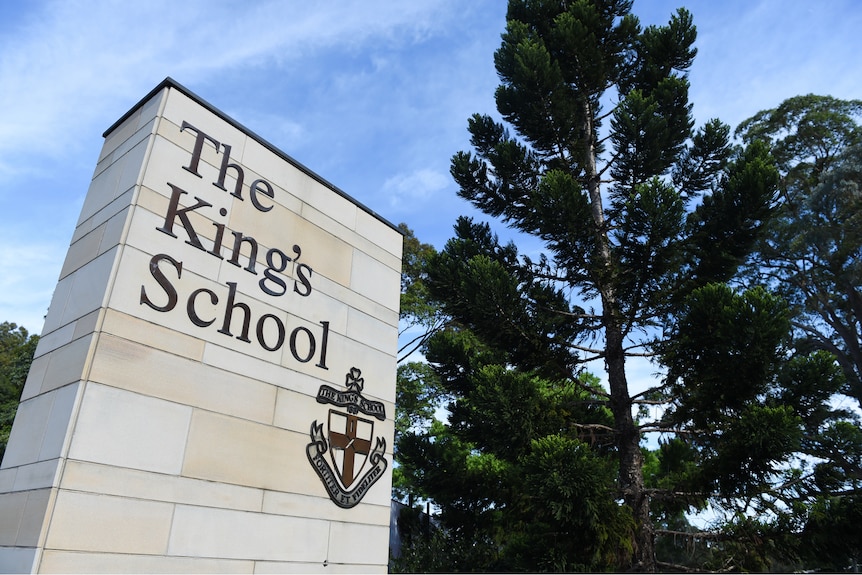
[418,341]
[651,390]
[669,567]
[592,426]
[645,428]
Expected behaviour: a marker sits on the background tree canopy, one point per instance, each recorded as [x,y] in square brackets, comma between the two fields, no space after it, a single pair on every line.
[16,354]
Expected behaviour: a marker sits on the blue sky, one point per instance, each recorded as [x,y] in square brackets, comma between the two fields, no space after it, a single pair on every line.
[373,96]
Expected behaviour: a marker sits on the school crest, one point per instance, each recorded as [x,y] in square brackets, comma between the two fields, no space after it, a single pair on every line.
[347,457]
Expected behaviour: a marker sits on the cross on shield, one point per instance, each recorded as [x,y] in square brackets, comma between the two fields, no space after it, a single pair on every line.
[350,443]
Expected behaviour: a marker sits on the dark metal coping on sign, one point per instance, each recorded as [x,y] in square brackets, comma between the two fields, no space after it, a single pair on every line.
[171,83]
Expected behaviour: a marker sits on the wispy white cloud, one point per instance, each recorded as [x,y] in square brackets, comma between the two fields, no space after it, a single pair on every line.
[410,192]
[68,62]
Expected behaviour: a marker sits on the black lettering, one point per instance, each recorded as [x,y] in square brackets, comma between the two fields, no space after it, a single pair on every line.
[324,339]
[238,239]
[199,146]
[174,212]
[163,281]
[278,325]
[216,251]
[240,175]
[272,271]
[190,307]
[312,345]
[303,279]
[267,191]
[228,315]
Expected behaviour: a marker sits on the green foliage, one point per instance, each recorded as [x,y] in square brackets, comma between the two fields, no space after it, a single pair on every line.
[806,134]
[578,519]
[812,251]
[16,354]
[724,227]
[480,282]
[811,255]
[417,396]
[723,360]
[511,471]
[417,308]
[723,350]
[840,447]
[833,534]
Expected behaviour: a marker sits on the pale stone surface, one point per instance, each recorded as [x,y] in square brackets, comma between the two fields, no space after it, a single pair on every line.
[152,335]
[32,518]
[58,302]
[180,108]
[349,543]
[85,291]
[114,181]
[33,385]
[125,132]
[42,429]
[96,478]
[23,512]
[77,562]
[295,411]
[327,255]
[383,236]
[66,364]
[375,280]
[275,567]
[7,479]
[155,373]
[359,303]
[56,431]
[171,153]
[83,250]
[86,325]
[106,214]
[11,510]
[96,242]
[281,503]
[334,205]
[353,238]
[378,368]
[235,362]
[261,456]
[371,331]
[144,232]
[89,522]
[201,532]
[37,475]
[118,427]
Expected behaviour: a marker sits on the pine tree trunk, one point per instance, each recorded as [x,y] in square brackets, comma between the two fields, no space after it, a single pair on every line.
[628,435]
[628,443]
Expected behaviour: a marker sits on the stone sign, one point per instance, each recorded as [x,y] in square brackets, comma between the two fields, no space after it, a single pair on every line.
[213,389]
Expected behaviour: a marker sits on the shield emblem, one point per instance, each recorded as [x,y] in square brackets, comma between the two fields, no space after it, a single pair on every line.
[349,444]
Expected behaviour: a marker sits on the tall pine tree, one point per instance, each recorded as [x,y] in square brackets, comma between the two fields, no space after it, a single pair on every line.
[635,209]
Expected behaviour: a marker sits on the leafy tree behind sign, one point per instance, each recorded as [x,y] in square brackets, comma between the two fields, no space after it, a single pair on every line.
[811,254]
[16,354]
